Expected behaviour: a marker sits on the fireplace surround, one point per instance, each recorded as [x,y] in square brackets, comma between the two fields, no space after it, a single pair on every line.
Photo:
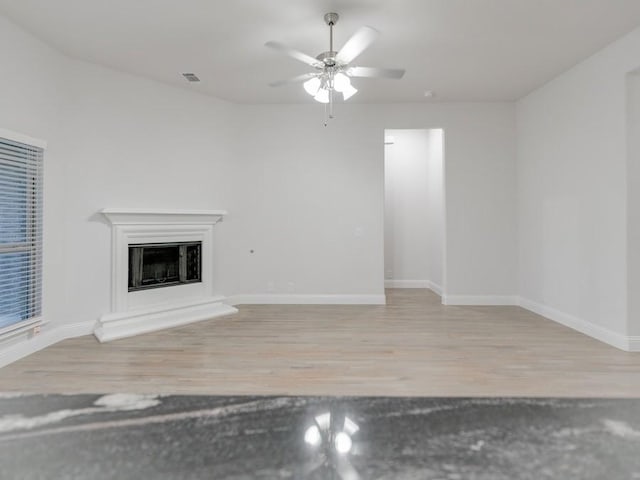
[164,234]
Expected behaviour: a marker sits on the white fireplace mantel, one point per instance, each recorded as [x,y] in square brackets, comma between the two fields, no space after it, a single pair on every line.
[139,216]
[149,310]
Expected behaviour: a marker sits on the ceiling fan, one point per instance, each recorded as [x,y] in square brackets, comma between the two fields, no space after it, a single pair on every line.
[333,69]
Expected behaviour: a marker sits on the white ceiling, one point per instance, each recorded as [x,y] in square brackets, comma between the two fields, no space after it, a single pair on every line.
[464,50]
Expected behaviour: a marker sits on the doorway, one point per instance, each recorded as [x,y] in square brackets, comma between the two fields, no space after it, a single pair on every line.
[414,216]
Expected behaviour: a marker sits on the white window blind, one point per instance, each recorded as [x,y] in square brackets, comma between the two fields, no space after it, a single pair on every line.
[20,233]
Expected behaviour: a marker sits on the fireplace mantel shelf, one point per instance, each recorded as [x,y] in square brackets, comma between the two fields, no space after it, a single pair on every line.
[120,216]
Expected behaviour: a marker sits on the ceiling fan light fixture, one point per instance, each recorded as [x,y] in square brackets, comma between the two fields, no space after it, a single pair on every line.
[333,68]
[341,82]
[322,96]
[312,85]
[349,92]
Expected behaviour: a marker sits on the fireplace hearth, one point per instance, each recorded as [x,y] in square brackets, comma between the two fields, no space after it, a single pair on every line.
[157,265]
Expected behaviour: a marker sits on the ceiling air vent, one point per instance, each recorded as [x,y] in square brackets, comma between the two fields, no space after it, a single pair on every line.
[191,77]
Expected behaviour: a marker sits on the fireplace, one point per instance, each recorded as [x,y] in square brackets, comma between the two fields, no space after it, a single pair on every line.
[160,248]
[157,265]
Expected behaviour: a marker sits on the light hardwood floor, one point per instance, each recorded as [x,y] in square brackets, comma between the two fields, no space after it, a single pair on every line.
[412,346]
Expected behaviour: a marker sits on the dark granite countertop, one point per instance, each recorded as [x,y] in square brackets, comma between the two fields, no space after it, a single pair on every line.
[192,437]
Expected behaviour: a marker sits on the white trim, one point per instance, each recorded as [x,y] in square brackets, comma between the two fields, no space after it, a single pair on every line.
[406,284]
[435,288]
[480,300]
[55,334]
[623,342]
[299,299]
[20,327]
[634,343]
[154,216]
[445,257]
[113,326]
[19,137]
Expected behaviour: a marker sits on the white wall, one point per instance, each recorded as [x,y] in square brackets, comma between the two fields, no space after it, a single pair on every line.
[309,204]
[572,195]
[134,143]
[33,96]
[317,196]
[633,203]
[406,229]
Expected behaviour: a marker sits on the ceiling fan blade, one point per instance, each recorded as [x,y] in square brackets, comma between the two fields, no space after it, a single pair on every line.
[357,44]
[373,72]
[299,79]
[293,53]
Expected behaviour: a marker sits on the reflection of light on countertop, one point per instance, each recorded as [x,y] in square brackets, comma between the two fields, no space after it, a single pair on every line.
[350,426]
[324,421]
[343,443]
[335,438]
[312,436]
[328,437]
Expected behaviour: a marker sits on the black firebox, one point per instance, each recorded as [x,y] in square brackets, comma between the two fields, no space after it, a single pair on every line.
[155,265]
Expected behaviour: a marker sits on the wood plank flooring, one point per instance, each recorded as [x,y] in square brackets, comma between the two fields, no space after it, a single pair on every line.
[412,346]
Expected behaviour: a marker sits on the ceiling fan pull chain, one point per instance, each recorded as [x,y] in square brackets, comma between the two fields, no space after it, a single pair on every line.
[331,101]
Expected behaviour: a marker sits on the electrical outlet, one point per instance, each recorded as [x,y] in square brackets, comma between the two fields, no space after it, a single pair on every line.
[389,274]
[36,330]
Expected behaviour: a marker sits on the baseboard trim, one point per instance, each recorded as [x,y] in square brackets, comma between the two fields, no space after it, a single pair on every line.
[480,300]
[623,342]
[634,343]
[48,337]
[435,288]
[301,299]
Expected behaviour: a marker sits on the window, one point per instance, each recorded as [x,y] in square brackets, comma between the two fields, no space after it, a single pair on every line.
[20,232]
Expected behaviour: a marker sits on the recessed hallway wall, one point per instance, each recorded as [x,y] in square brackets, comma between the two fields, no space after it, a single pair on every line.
[633,203]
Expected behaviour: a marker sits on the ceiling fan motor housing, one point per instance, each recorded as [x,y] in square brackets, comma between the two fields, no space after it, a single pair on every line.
[328,58]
